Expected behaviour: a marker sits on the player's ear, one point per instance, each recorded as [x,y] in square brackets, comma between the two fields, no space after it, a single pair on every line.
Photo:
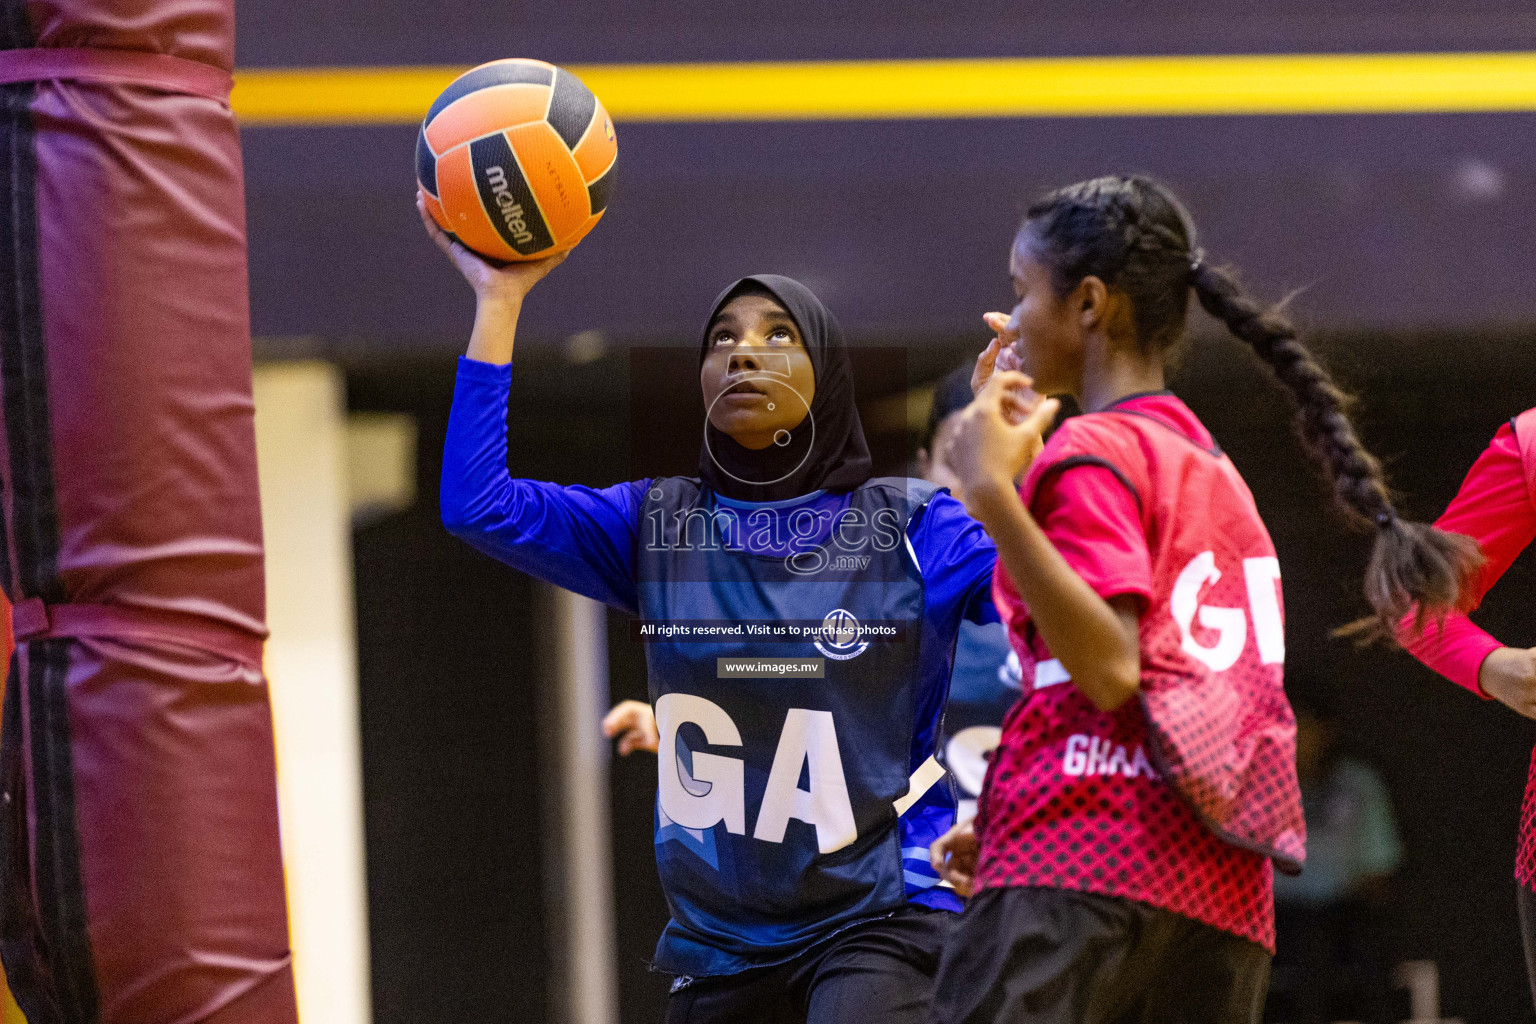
[1092,299]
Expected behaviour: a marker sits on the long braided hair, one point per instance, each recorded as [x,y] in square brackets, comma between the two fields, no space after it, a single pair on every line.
[1131,233]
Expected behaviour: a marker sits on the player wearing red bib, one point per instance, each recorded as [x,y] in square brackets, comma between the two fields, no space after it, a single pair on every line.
[1122,854]
[1496,506]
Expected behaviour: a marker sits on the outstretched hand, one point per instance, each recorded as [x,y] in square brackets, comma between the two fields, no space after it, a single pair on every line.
[998,435]
[510,283]
[634,723]
[953,856]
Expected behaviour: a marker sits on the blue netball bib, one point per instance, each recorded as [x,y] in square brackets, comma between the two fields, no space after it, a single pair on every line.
[776,820]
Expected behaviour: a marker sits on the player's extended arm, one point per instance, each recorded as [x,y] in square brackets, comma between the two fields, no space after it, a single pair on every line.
[499,291]
[579,538]
[1494,508]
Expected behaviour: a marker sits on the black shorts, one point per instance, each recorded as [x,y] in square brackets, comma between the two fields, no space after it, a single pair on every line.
[1525,903]
[877,972]
[1054,956]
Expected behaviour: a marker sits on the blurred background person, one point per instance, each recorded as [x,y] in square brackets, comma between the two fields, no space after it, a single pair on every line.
[1332,922]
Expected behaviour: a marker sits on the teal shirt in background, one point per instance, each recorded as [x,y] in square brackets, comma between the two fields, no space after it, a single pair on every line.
[1351,836]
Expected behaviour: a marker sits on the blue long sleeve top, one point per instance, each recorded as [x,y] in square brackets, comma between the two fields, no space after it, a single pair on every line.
[583,538]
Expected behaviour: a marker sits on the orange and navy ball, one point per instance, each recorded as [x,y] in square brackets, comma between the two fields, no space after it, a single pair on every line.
[516,159]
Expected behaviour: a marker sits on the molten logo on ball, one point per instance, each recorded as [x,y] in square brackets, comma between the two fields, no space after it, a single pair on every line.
[511,209]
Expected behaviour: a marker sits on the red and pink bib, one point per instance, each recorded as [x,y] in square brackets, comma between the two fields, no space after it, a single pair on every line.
[1180,798]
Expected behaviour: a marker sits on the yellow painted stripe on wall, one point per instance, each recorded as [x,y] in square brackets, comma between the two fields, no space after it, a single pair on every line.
[885,89]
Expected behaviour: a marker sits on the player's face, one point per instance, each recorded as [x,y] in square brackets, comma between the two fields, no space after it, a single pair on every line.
[1046,328]
[934,461]
[757,377]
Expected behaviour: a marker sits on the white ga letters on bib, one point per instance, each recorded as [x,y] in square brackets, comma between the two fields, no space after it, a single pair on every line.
[1230,624]
[715,791]
[1091,755]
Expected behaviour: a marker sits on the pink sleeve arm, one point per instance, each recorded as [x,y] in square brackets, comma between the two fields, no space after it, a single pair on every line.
[1494,508]
[1091,516]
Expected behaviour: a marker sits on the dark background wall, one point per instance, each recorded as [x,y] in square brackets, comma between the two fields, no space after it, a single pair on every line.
[1402,221]
[452,31]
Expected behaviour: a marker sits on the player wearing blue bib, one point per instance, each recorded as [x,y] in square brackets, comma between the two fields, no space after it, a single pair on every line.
[794,809]
[984,683]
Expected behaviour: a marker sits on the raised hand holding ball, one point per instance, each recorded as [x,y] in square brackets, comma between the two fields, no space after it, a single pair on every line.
[515,160]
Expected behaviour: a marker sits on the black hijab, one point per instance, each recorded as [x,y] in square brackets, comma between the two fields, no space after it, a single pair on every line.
[826,450]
